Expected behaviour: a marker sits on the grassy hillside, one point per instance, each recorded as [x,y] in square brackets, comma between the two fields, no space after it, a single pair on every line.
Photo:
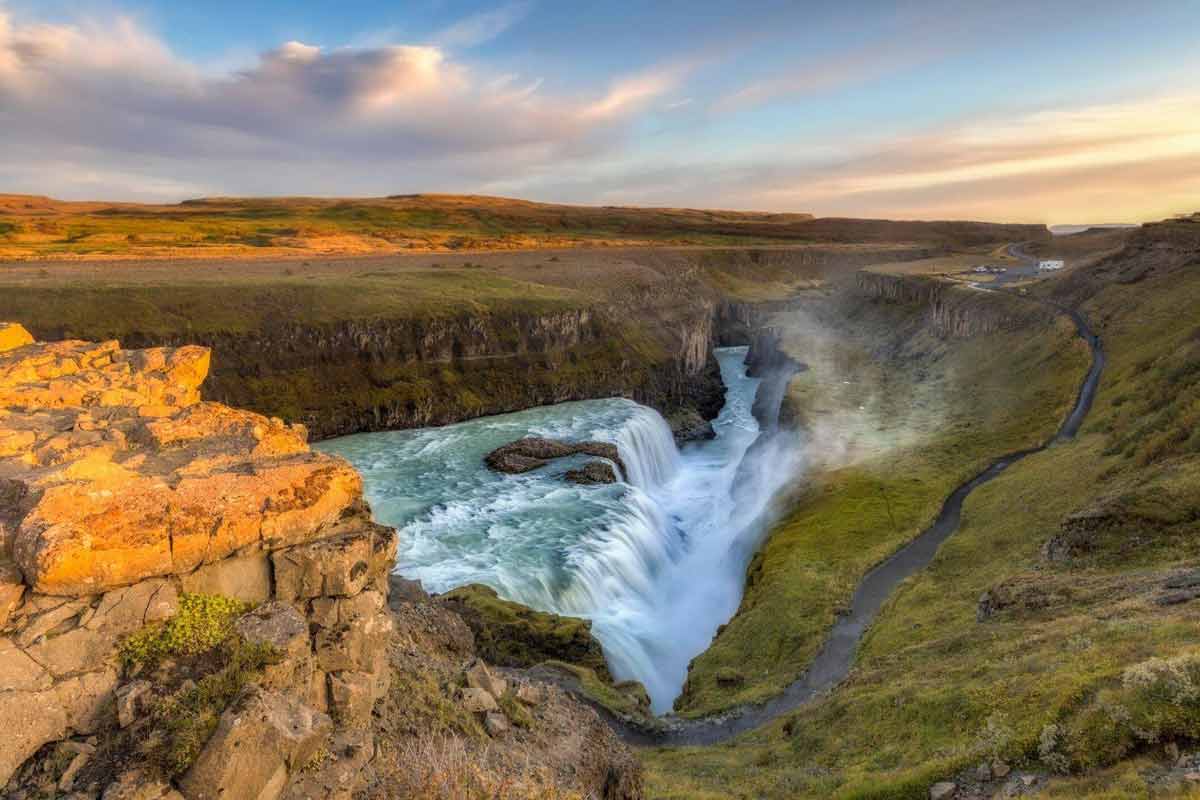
[42,228]
[1051,632]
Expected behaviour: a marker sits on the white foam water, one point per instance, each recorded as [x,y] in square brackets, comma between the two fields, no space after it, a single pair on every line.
[656,561]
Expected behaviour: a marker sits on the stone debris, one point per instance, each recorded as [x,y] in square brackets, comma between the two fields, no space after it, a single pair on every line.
[480,677]
[137,784]
[132,699]
[258,741]
[68,777]
[531,695]
[496,724]
[477,701]
[943,790]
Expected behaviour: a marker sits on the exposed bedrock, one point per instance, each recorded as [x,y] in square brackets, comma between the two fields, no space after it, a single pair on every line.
[360,375]
[955,311]
[124,496]
[533,452]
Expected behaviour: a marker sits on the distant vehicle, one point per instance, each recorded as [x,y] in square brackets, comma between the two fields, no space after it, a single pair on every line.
[1050,264]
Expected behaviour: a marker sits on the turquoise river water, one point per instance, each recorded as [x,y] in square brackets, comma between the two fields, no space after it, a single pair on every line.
[656,561]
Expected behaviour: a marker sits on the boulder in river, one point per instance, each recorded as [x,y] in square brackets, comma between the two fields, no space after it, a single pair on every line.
[591,473]
[532,452]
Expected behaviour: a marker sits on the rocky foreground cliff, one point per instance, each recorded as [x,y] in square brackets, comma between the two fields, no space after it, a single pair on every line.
[194,604]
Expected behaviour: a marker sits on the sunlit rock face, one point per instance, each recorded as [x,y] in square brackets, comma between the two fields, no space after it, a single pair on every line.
[121,473]
[121,492]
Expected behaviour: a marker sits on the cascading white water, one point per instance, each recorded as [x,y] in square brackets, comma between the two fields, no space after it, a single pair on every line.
[648,449]
[656,561]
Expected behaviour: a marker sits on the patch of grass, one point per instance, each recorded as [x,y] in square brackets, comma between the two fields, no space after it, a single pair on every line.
[623,702]
[515,710]
[433,222]
[1155,701]
[231,305]
[1125,781]
[183,722]
[512,635]
[202,623]
[419,704]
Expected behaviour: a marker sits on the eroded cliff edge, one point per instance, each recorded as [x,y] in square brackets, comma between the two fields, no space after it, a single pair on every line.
[194,604]
[352,346]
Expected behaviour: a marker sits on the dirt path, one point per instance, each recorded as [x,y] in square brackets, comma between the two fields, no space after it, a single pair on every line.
[832,663]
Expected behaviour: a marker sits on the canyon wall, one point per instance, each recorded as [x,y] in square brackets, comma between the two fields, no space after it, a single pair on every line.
[638,323]
[377,374]
[955,310]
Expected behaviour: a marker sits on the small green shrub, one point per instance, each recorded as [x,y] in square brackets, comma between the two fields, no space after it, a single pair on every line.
[1157,701]
[202,623]
[184,721]
[727,677]
[514,710]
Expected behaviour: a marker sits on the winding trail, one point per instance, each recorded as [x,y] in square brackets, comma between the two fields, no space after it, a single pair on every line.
[833,662]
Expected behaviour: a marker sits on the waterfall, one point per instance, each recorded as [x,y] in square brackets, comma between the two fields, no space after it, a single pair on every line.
[656,561]
[619,563]
[648,450]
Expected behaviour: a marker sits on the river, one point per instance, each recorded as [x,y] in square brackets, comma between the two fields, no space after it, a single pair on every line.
[657,561]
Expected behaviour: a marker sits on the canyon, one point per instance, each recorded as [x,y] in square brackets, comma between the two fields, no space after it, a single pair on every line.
[135,498]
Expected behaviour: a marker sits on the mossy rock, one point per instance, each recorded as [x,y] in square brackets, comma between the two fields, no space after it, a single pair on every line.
[509,634]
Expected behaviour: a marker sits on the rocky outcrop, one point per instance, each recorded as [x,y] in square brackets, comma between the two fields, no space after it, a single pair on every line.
[512,635]
[499,731]
[591,473]
[533,452]
[124,494]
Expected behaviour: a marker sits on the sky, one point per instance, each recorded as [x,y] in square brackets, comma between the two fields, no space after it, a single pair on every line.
[1054,112]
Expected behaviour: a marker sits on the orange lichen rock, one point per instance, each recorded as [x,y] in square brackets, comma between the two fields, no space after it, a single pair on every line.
[13,336]
[117,472]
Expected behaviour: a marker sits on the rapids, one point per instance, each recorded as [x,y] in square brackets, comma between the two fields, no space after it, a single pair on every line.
[656,562]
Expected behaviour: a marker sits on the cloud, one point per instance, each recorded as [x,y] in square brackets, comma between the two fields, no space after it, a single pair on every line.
[106,109]
[636,93]
[830,72]
[482,27]
[1044,149]
[113,99]
[1132,160]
